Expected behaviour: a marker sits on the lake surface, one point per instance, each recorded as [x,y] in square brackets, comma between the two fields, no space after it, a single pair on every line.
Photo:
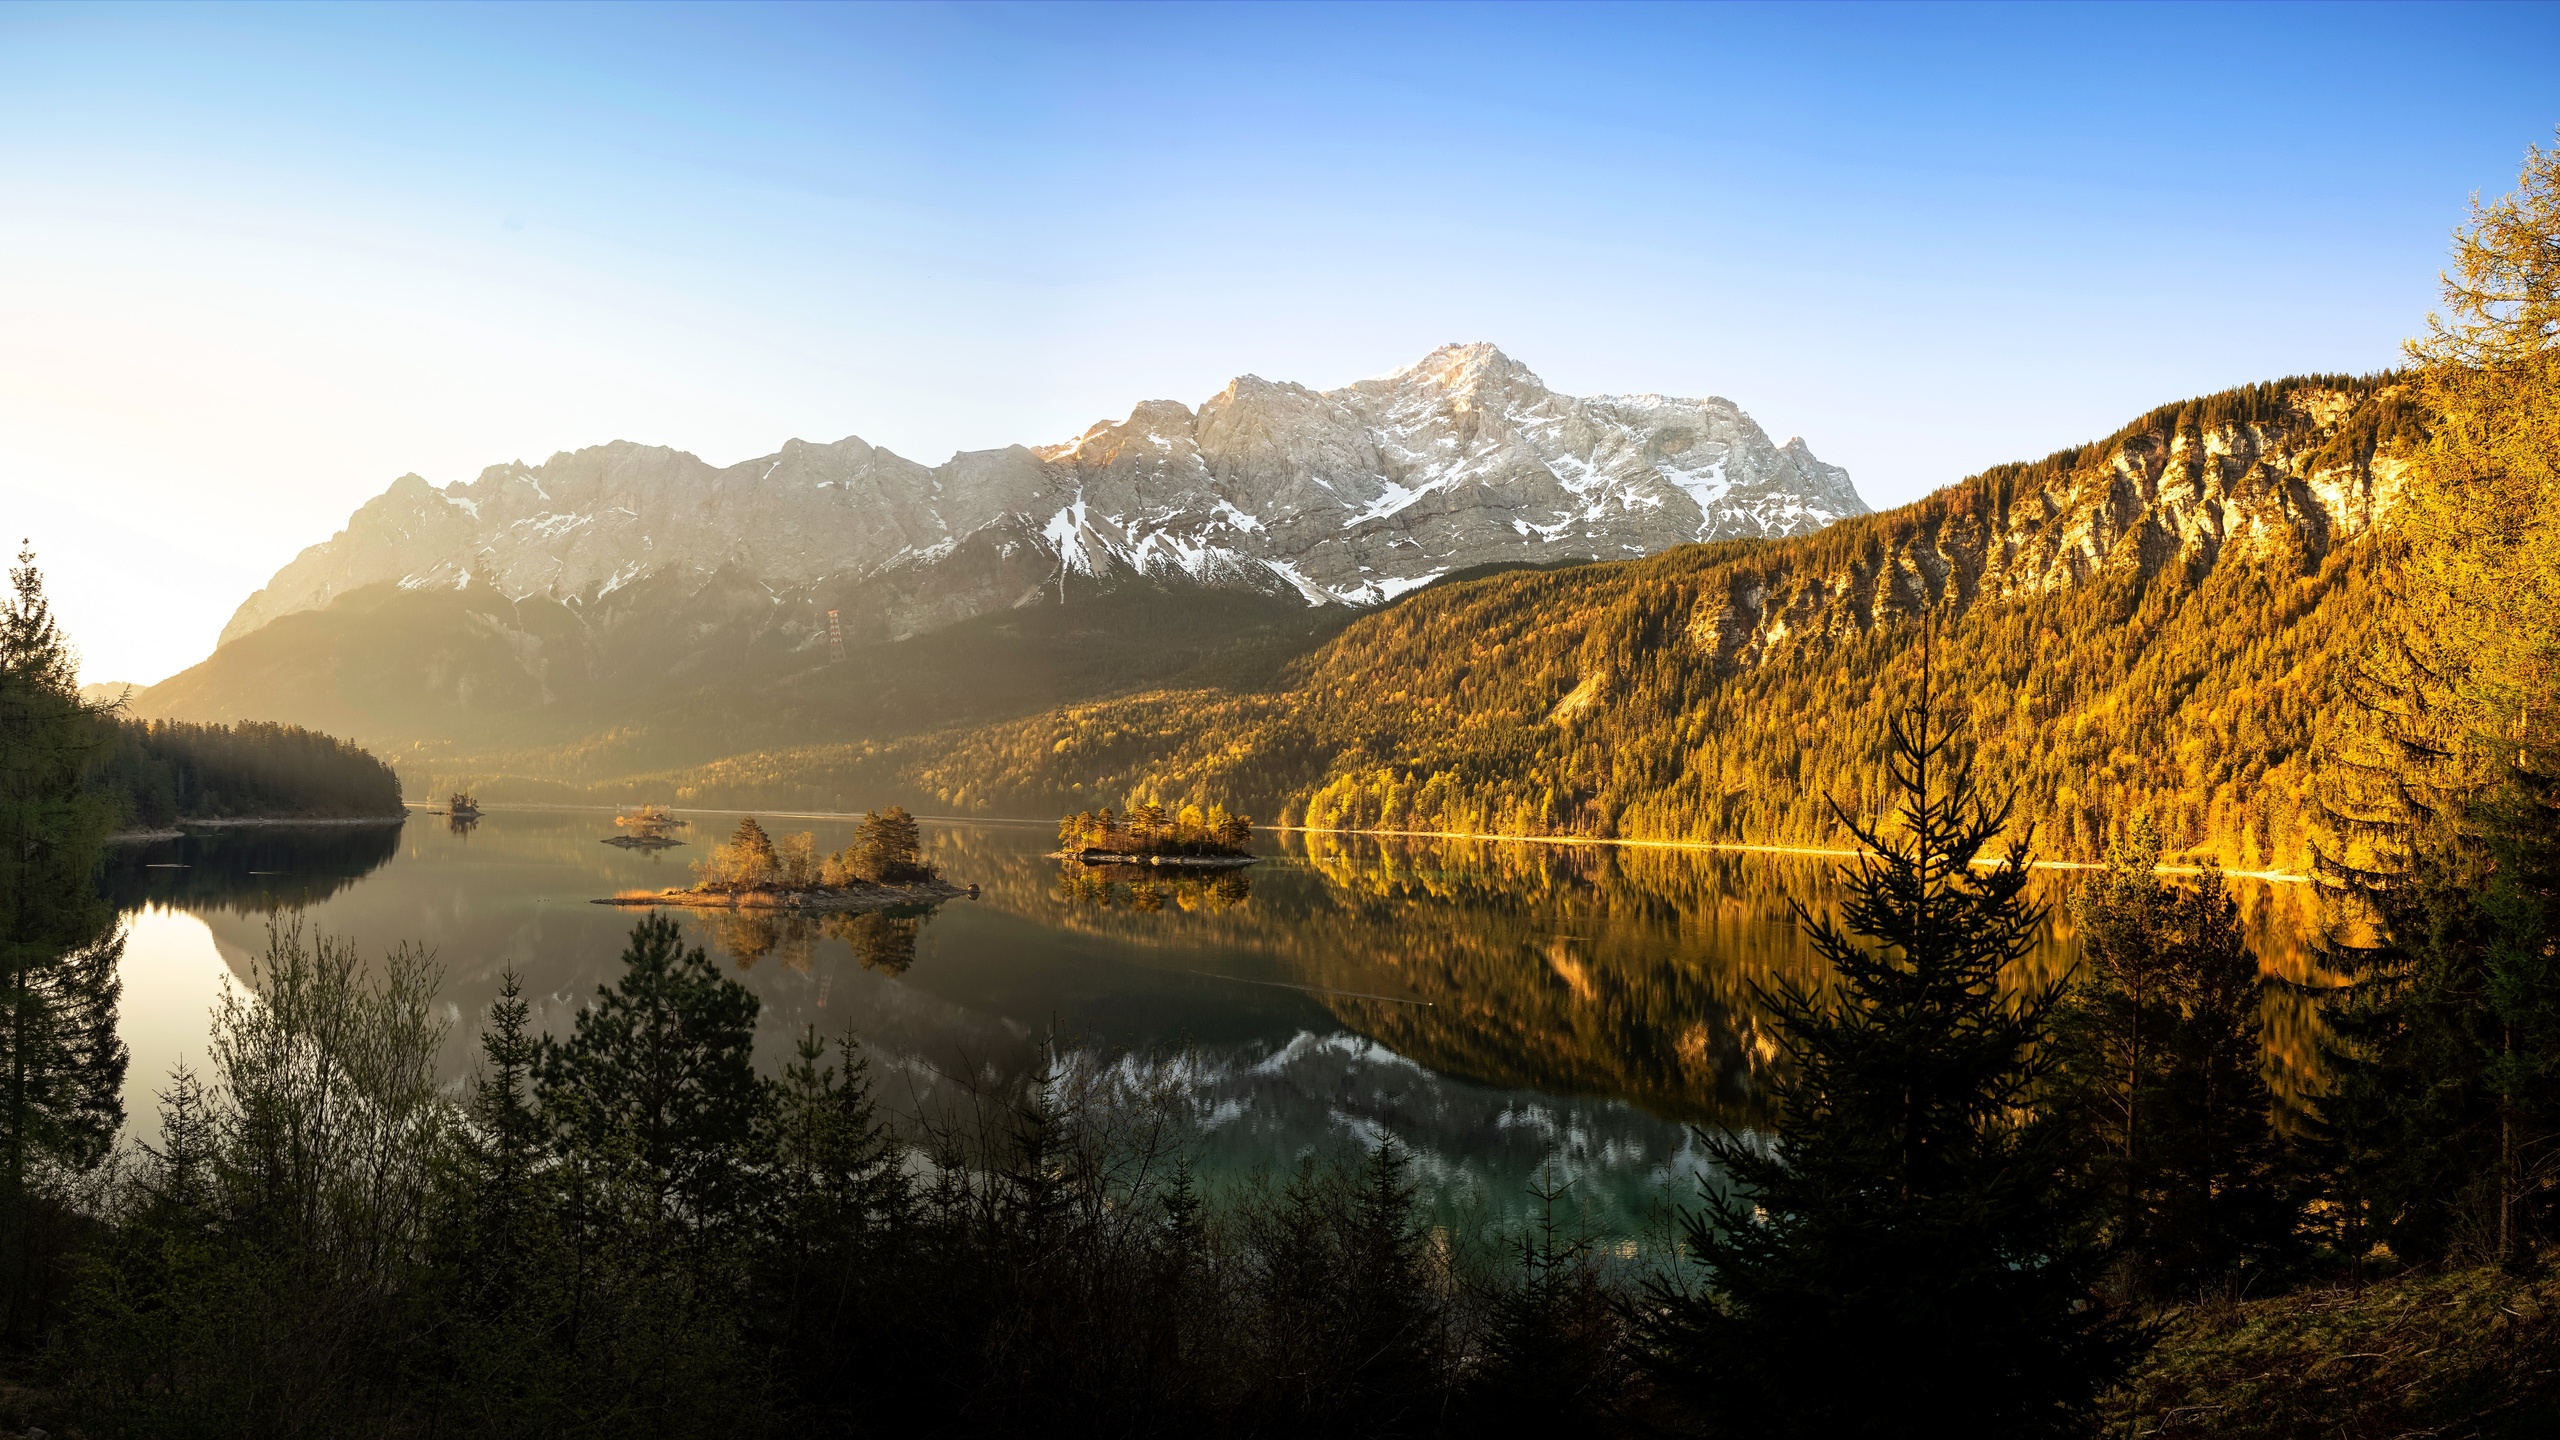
[1500,1008]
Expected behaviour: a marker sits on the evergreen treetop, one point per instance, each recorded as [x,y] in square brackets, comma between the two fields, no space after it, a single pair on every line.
[62,1061]
[1914,1208]
[655,1090]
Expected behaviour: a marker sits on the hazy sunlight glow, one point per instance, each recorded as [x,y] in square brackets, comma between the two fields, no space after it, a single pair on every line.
[256,263]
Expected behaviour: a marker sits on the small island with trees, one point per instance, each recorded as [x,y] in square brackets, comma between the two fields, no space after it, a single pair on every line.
[651,827]
[1148,835]
[884,866]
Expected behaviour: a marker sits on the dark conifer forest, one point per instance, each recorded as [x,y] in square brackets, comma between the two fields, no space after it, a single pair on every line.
[160,771]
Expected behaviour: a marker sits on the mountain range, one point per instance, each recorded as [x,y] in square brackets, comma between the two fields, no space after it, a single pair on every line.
[2153,623]
[1349,496]
[626,587]
[1392,606]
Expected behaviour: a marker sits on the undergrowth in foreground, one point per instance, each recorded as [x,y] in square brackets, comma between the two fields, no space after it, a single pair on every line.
[2470,1353]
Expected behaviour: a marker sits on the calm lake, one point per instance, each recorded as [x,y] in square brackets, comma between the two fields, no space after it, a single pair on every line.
[1497,1007]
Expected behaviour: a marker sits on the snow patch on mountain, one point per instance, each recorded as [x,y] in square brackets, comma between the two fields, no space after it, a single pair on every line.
[1347,496]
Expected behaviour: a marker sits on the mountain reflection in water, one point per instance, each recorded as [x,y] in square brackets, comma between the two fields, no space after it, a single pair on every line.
[1495,1006]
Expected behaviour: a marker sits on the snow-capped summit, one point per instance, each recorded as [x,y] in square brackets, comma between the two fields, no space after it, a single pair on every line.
[1353,495]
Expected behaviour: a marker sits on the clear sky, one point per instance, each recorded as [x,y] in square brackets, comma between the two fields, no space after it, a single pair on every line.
[255,263]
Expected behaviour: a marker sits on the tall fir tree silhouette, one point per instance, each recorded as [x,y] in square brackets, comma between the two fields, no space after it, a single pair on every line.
[1908,1249]
[62,1063]
[2161,1045]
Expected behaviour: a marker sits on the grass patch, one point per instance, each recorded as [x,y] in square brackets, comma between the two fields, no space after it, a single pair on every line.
[2458,1354]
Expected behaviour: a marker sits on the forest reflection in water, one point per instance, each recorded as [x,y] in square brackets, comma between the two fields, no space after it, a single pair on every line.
[247,869]
[881,940]
[1620,971]
[1492,1005]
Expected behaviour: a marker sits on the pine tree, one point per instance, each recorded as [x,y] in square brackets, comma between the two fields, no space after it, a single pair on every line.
[655,1097]
[2112,1030]
[2440,1122]
[61,1063]
[1183,1237]
[503,1151]
[2520,905]
[1145,819]
[888,849]
[2230,1206]
[499,1242]
[1550,1357]
[177,1185]
[837,1209]
[1351,1336]
[1913,1214]
[2406,1124]
[2161,1050]
[1394,1345]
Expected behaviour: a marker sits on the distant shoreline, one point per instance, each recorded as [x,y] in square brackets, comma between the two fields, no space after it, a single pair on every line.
[187,823]
[2272,877]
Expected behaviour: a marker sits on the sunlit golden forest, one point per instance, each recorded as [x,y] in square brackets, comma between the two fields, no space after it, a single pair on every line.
[2153,623]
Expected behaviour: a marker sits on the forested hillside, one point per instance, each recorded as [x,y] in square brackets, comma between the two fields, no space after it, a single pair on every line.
[2155,622]
[158,771]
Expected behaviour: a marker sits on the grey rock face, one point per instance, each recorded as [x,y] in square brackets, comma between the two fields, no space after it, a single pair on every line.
[1350,496]
[2277,489]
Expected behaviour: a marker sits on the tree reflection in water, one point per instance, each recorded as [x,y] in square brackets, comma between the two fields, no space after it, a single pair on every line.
[1148,890]
[1601,971]
[247,869]
[881,940]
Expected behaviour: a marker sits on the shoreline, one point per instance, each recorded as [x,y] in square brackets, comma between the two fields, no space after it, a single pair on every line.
[1186,862]
[231,822]
[2272,877]
[801,902]
[557,805]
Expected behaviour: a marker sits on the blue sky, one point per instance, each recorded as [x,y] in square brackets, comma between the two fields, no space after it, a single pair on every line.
[256,262]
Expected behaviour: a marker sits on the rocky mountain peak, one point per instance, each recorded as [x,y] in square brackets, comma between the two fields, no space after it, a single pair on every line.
[1352,495]
[1463,370]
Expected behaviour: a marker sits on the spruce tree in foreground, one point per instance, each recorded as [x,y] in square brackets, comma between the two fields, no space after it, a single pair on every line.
[2443,1118]
[837,1209]
[1550,1358]
[656,1097]
[500,1153]
[2161,1047]
[61,1062]
[2230,1209]
[1908,1251]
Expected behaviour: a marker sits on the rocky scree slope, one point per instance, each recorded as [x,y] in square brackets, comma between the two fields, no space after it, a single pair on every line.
[2151,622]
[1352,495]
